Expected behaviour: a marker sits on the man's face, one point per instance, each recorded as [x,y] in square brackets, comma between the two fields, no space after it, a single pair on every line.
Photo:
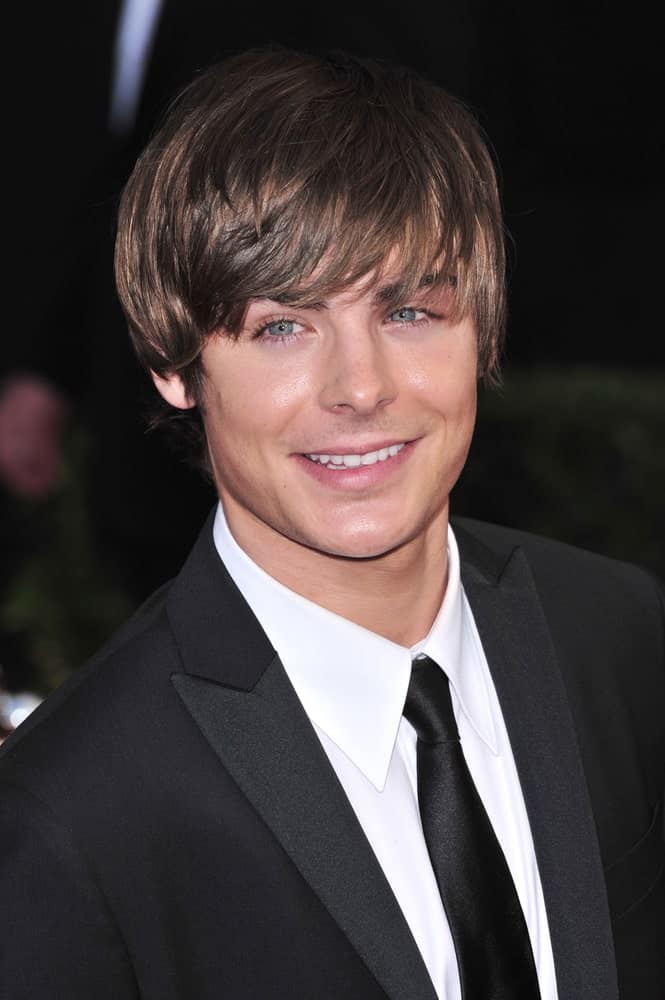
[341,427]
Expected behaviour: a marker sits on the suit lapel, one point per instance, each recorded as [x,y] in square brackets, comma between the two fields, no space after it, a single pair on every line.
[242,700]
[534,703]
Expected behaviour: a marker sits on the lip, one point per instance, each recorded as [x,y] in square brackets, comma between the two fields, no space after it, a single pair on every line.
[361,477]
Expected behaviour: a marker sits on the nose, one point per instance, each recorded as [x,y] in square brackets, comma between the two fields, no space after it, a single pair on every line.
[359,376]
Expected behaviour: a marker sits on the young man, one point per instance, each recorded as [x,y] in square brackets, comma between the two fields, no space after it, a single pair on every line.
[252,790]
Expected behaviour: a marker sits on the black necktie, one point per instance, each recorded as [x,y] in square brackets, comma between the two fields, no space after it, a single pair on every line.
[486,921]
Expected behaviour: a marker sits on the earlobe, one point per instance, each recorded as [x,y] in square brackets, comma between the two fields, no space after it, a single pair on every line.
[172,389]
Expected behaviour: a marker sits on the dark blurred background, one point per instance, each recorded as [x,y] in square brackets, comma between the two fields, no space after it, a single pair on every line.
[571,446]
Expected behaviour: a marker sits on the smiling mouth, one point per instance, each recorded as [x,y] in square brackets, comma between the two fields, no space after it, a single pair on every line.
[340,462]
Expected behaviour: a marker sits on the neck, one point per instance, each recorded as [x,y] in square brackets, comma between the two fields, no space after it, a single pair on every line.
[397,594]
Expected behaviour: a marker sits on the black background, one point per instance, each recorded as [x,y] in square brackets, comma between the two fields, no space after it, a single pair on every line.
[570,97]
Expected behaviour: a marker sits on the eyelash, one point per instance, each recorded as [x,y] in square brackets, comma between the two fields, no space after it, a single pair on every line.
[260,332]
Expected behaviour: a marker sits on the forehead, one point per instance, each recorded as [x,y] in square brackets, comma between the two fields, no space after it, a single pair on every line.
[376,291]
[388,282]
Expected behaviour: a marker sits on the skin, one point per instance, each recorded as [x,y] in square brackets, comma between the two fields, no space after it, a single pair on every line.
[344,376]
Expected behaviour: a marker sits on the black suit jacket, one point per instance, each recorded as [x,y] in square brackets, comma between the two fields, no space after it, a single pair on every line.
[172,828]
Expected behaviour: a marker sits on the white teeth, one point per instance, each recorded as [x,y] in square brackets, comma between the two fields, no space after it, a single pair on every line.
[353,461]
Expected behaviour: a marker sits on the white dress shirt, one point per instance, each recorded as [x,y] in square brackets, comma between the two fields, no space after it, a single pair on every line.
[352,684]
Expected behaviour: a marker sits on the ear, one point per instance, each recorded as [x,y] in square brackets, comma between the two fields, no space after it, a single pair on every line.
[172,388]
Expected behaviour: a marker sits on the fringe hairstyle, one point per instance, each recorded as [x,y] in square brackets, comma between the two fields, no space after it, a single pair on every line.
[289,175]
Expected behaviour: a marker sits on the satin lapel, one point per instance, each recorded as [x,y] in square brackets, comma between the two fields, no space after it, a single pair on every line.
[241,698]
[530,688]
[267,744]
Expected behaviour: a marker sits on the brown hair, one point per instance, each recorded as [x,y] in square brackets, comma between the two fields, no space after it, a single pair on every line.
[282,174]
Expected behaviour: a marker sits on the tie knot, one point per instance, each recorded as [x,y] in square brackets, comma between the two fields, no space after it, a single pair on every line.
[428,706]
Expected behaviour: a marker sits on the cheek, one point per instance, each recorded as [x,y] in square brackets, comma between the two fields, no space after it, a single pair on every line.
[462,418]
[448,391]
[287,396]
[249,410]
[446,372]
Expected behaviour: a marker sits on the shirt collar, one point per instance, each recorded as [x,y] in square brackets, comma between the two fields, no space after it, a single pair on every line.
[454,644]
[351,682]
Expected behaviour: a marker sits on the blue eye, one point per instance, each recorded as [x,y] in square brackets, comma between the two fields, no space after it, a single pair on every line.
[405,314]
[280,328]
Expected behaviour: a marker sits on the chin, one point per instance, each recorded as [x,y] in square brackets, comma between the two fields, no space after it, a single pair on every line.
[359,544]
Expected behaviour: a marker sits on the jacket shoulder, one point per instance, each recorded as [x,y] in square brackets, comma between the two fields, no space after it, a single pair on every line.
[556,561]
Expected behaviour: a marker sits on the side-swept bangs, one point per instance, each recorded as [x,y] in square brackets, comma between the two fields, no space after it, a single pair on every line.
[289,176]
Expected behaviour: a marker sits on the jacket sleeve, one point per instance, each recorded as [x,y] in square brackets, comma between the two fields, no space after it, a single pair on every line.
[58,940]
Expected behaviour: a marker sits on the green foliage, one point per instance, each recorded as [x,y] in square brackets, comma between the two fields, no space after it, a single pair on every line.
[575,454]
[62,603]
